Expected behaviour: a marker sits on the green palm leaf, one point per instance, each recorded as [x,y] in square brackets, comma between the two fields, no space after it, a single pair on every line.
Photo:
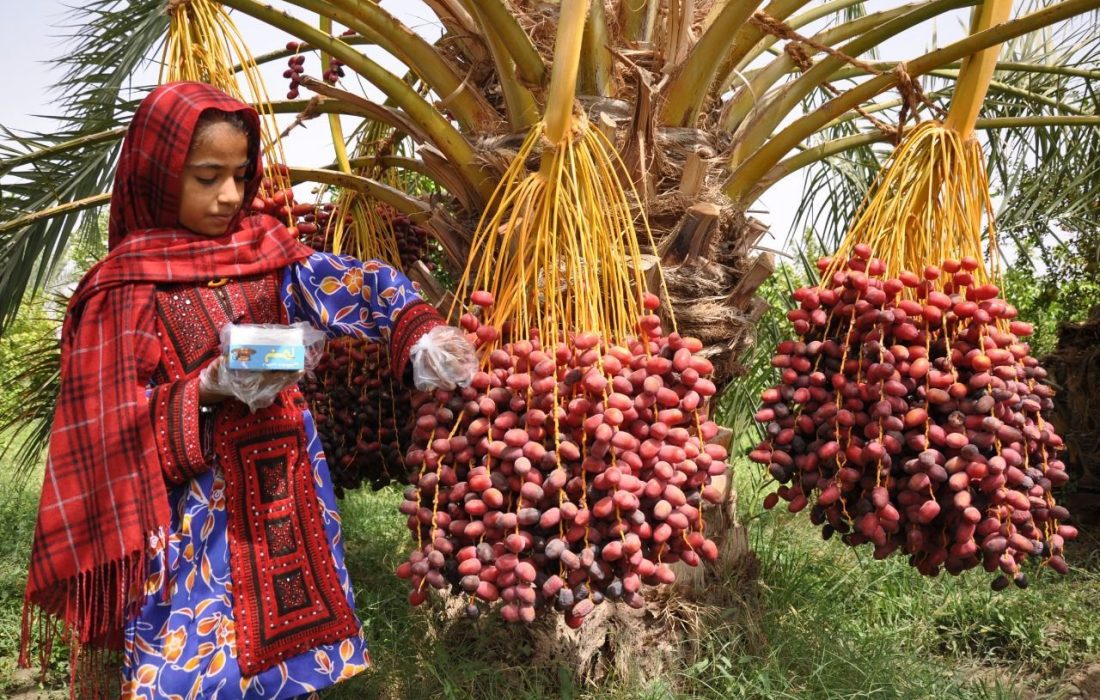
[111,41]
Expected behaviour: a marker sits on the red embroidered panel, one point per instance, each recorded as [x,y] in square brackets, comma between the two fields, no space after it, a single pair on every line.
[188,320]
[175,412]
[287,596]
[190,317]
[413,323]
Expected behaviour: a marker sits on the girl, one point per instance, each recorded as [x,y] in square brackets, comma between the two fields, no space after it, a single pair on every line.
[197,538]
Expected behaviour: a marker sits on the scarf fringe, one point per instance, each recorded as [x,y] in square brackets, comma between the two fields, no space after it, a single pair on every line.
[89,613]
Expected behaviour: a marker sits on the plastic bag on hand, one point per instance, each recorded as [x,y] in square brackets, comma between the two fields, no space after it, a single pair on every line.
[258,389]
[443,359]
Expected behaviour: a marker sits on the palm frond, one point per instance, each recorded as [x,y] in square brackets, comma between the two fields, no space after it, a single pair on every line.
[1058,193]
[28,255]
[833,191]
[110,41]
[1059,157]
[31,383]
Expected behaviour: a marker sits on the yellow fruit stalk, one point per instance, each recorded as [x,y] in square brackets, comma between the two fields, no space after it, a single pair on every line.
[557,247]
[928,203]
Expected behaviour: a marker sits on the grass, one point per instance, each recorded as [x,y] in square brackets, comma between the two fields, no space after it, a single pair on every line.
[18,508]
[820,620]
[17,521]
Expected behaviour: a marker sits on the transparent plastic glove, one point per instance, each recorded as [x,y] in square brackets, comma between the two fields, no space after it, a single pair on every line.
[443,359]
[254,389]
[213,379]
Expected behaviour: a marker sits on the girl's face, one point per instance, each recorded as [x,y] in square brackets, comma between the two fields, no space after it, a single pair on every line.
[214,178]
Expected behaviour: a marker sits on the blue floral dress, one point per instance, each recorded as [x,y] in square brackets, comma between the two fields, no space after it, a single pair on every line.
[184,642]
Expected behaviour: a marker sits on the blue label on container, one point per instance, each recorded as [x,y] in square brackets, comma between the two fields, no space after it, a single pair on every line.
[267,357]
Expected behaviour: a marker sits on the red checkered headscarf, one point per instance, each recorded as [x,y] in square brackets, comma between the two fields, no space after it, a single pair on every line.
[104,494]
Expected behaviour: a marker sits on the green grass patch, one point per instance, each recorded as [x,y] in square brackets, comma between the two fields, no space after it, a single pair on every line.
[17,516]
[18,511]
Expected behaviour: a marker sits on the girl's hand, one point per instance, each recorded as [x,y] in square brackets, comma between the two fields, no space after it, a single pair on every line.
[443,359]
[256,389]
[209,392]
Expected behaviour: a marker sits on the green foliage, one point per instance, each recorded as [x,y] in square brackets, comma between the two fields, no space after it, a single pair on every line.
[18,509]
[1048,301]
[438,257]
[30,356]
[85,252]
[29,326]
[1054,275]
[17,515]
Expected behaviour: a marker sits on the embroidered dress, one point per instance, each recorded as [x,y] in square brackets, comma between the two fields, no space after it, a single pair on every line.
[252,528]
